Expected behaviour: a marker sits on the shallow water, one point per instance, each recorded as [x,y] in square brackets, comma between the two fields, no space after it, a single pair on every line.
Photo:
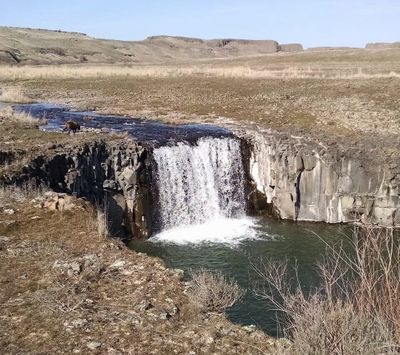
[233,246]
[146,131]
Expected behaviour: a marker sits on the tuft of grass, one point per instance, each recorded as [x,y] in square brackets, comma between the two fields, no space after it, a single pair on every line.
[14,95]
[9,114]
[102,224]
[21,194]
[213,291]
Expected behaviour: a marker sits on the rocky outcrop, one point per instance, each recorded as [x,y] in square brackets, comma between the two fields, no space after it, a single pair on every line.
[290,47]
[290,177]
[114,175]
[305,182]
[37,46]
[327,48]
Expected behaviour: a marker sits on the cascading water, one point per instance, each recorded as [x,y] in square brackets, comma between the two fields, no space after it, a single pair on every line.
[201,191]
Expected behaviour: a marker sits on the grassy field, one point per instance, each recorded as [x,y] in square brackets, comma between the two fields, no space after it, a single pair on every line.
[339,98]
[333,97]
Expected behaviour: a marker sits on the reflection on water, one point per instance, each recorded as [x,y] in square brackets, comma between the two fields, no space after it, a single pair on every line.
[295,242]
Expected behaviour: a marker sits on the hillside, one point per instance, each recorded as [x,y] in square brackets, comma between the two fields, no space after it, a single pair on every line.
[38,46]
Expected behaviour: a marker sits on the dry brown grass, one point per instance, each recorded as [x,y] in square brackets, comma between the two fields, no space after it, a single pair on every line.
[357,312]
[14,95]
[171,71]
[20,194]
[102,223]
[24,118]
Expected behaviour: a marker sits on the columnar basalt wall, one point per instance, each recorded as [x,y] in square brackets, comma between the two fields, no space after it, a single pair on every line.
[305,182]
[114,176]
[287,176]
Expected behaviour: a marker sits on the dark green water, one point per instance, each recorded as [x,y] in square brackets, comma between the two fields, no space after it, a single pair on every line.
[294,242]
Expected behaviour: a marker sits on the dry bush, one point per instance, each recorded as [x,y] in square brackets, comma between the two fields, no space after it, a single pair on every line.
[213,292]
[322,327]
[357,311]
[14,95]
[376,272]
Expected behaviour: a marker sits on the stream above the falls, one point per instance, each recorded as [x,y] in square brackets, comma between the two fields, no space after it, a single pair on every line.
[144,130]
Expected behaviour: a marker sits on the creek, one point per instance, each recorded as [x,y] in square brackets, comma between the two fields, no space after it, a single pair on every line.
[188,188]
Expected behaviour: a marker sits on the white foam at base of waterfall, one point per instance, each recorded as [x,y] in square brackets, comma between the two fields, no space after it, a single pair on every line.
[221,230]
[201,192]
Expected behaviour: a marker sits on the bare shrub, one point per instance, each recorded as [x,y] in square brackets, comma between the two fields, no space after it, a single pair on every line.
[325,328]
[14,95]
[357,311]
[213,292]
[376,274]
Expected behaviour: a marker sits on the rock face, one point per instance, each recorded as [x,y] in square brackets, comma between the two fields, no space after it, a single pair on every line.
[288,176]
[301,181]
[115,176]
[290,47]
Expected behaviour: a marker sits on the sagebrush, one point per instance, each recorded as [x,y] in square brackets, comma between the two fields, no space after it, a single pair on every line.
[213,291]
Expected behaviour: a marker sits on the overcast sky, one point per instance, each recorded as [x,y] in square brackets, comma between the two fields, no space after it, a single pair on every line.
[310,22]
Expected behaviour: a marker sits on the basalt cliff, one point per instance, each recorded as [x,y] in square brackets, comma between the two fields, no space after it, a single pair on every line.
[285,176]
[307,181]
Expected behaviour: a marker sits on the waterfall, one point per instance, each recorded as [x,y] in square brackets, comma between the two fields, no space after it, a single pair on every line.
[199,183]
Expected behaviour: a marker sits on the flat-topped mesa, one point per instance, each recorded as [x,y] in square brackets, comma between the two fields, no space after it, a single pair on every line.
[328,48]
[218,44]
[38,46]
[290,47]
[382,45]
[173,38]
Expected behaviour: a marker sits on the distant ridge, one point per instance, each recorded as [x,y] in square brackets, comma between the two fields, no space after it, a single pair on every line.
[317,49]
[382,45]
[43,46]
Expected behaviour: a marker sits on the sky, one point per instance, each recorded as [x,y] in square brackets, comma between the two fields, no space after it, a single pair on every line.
[310,22]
